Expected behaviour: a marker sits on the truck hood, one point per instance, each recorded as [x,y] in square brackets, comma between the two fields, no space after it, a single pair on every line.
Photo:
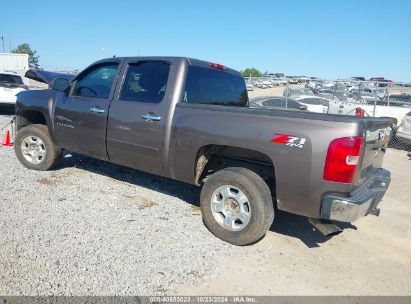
[46,76]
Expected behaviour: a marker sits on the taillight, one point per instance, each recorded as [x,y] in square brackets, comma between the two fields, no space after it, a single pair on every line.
[342,159]
[217,66]
[359,112]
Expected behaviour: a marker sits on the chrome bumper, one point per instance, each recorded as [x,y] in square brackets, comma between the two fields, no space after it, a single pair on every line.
[359,203]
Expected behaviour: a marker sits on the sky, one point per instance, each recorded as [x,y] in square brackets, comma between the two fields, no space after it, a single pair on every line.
[327,39]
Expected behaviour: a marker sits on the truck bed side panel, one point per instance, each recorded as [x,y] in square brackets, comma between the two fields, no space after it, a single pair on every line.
[298,171]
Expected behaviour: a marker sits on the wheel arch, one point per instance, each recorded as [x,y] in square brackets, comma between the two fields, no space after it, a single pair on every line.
[211,158]
[29,117]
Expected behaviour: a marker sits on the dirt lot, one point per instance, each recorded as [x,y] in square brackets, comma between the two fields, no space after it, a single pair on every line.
[92,228]
[275,91]
[371,257]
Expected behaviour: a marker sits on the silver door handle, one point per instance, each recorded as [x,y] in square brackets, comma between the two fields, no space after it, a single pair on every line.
[151,117]
[97,110]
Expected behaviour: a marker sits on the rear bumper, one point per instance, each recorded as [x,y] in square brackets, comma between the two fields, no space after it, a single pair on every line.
[359,203]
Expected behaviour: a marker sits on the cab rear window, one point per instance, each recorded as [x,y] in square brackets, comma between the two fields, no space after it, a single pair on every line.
[214,87]
[7,80]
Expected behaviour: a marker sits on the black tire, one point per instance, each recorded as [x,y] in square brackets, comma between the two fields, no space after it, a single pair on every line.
[259,198]
[53,152]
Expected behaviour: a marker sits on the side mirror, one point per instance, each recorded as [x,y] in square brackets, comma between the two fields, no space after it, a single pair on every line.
[61,84]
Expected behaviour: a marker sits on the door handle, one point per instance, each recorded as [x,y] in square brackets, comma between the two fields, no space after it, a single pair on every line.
[151,117]
[97,110]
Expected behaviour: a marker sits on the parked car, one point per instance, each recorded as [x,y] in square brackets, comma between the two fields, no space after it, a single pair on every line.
[341,95]
[401,100]
[278,81]
[277,102]
[189,120]
[328,84]
[404,130]
[10,85]
[292,79]
[385,83]
[351,108]
[259,84]
[249,86]
[314,85]
[303,79]
[357,78]
[364,97]
[381,82]
[326,92]
[295,92]
[267,83]
[314,103]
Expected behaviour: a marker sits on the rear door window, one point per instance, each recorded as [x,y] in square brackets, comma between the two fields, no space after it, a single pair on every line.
[215,87]
[146,82]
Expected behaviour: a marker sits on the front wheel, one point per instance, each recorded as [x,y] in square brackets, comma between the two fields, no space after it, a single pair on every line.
[34,148]
[236,205]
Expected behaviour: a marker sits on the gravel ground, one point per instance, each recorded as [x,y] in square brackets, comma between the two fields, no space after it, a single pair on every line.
[93,228]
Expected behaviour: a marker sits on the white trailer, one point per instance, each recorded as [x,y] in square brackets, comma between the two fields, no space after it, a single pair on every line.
[17,63]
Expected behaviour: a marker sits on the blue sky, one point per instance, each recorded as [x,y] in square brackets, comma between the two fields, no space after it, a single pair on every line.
[330,39]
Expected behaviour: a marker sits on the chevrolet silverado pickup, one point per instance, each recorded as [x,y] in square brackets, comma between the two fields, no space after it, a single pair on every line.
[189,120]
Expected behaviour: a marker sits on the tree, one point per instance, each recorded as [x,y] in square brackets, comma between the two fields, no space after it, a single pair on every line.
[33,57]
[253,72]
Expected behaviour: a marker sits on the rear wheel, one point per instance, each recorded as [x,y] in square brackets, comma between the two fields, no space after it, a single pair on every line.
[236,205]
[35,149]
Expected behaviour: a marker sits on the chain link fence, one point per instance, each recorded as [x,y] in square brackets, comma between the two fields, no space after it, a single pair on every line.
[379,98]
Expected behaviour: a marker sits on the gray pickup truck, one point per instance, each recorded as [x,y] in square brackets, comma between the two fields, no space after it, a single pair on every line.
[189,120]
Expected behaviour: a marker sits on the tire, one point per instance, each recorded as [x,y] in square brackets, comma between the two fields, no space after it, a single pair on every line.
[258,202]
[51,152]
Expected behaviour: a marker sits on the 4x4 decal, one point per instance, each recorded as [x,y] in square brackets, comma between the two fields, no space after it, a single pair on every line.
[289,140]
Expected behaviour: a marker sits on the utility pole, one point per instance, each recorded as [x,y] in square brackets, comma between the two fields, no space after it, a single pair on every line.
[2,40]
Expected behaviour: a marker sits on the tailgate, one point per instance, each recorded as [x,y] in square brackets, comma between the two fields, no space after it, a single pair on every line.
[377,136]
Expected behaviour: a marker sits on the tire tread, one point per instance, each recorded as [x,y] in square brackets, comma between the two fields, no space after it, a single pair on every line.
[53,151]
[257,188]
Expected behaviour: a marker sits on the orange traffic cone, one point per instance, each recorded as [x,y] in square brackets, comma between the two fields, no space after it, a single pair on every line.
[6,139]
